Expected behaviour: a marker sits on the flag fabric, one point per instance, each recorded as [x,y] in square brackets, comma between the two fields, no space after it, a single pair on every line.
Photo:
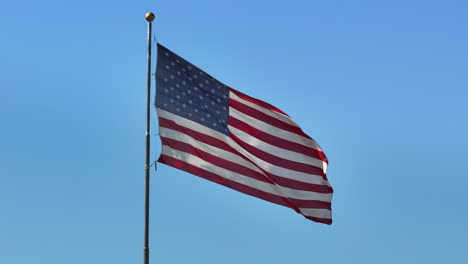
[220,134]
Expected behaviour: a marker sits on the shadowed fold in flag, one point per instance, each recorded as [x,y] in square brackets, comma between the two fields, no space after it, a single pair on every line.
[220,134]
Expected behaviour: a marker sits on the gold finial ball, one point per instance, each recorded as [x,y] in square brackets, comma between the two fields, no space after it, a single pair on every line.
[149,17]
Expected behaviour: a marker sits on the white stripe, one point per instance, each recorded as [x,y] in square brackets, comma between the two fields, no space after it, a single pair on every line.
[244,180]
[266,111]
[276,151]
[271,168]
[273,130]
[320,213]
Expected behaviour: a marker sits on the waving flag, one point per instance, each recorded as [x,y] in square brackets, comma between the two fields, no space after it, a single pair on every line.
[220,134]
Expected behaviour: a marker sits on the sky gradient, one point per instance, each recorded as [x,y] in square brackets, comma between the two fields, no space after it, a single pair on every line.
[382,86]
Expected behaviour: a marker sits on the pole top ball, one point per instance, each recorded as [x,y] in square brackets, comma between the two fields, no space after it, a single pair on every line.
[149,17]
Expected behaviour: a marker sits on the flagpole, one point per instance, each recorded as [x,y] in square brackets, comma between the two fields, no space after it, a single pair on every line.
[149,17]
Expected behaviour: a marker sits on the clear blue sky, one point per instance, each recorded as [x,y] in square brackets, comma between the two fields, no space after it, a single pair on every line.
[381,85]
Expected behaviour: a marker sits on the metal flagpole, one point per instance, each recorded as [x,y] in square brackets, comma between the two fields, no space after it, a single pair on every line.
[149,18]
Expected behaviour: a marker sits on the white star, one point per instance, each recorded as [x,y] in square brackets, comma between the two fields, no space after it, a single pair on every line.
[167,54]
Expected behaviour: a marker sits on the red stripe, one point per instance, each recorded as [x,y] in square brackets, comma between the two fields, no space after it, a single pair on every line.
[223,163]
[179,164]
[311,204]
[276,141]
[319,220]
[288,164]
[256,101]
[250,111]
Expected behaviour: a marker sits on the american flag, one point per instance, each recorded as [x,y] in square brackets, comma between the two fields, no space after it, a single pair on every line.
[220,134]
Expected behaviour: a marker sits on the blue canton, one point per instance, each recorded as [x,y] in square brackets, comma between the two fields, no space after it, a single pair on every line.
[185,90]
